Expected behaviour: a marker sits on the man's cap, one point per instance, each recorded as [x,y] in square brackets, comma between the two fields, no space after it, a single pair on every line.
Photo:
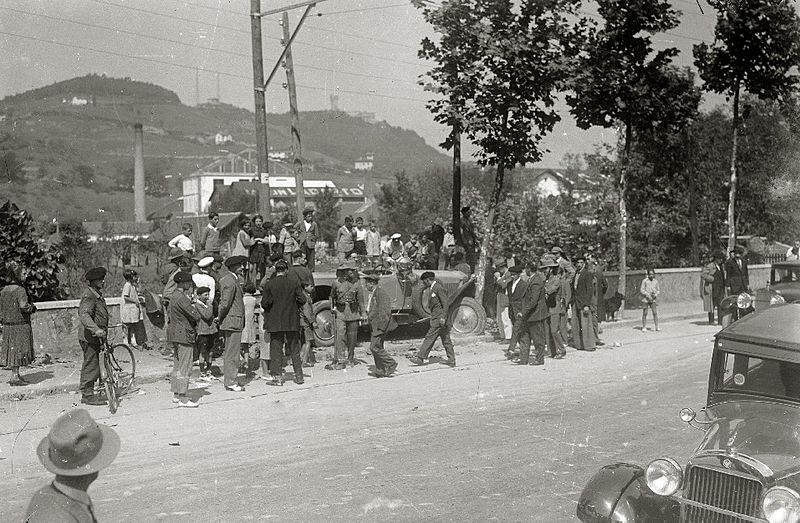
[275,257]
[396,236]
[547,261]
[77,446]
[175,253]
[205,262]
[556,250]
[516,269]
[97,273]
[182,277]
[307,211]
[287,224]
[372,276]
[234,261]
[281,266]
[201,290]
[427,275]
[466,208]
[501,263]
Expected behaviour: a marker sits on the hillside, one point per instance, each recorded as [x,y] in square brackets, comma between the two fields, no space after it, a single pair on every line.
[79,134]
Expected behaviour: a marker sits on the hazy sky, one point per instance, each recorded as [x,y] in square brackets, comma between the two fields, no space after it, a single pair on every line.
[366,51]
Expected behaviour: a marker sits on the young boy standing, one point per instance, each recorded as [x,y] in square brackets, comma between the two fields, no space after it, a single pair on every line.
[649,290]
[307,326]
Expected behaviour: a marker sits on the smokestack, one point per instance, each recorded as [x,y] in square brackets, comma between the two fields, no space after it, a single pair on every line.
[140,212]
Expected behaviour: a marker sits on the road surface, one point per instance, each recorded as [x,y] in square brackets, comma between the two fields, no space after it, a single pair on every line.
[486,441]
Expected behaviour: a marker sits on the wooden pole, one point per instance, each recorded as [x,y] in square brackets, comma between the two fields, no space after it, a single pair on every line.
[261,109]
[297,148]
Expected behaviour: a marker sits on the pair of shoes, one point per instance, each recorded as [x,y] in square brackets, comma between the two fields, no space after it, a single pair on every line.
[416,360]
[187,403]
[388,371]
[449,363]
[235,388]
[18,382]
[600,343]
[299,381]
[537,363]
[657,329]
[308,365]
[93,400]
[276,381]
[335,366]
[644,329]
[559,356]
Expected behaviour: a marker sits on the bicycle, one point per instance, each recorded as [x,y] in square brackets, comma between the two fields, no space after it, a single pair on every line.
[117,369]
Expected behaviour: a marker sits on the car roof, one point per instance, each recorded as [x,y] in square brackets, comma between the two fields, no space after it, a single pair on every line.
[772,332]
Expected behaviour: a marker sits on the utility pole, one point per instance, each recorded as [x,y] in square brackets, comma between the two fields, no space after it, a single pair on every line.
[261,109]
[297,148]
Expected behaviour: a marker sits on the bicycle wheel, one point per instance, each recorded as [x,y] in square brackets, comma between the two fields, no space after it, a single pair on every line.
[109,383]
[123,364]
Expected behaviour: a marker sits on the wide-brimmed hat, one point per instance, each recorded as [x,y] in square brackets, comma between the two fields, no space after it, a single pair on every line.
[77,445]
[97,273]
[235,261]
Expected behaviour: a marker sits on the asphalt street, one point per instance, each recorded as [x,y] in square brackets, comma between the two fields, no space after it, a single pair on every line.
[488,440]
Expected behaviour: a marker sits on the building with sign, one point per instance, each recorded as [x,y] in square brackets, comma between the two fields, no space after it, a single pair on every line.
[199,187]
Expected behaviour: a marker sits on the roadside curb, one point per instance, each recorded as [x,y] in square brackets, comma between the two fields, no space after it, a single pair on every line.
[632,322]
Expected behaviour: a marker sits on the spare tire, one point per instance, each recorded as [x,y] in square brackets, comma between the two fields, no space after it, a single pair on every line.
[421,301]
[323,334]
[467,317]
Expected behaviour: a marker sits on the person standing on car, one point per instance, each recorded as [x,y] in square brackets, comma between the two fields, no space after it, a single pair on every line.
[379,312]
[345,239]
[209,239]
[230,318]
[307,236]
[712,287]
[439,325]
[736,273]
[93,315]
[360,246]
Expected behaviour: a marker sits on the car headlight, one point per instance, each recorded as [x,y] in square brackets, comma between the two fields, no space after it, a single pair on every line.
[744,301]
[664,476]
[781,505]
[777,299]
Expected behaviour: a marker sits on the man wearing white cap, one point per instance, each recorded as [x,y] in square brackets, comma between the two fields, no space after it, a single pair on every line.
[75,450]
[203,278]
[394,248]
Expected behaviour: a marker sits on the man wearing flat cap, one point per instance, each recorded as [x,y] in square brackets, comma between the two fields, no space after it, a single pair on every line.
[582,292]
[230,318]
[179,261]
[307,236]
[76,449]
[439,324]
[567,275]
[347,309]
[181,337]
[93,315]
[379,312]
[552,289]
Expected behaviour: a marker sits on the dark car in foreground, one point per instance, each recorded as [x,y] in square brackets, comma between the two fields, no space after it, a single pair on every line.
[783,287]
[747,465]
[409,302]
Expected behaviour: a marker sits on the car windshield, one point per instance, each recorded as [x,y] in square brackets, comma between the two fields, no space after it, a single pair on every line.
[784,275]
[764,377]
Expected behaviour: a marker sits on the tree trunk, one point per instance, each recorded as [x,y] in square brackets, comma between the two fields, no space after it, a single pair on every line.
[622,285]
[694,226]
[457,185]
[480,271]
[732,194]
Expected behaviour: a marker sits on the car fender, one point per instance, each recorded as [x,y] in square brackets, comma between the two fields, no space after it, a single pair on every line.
[460,291]
[618,493]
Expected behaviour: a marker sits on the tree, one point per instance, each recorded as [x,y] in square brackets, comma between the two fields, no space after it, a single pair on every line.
[18,243]
[327,215]
[756,49]
[621,79]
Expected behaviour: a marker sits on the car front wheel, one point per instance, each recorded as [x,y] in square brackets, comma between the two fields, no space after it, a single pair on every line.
[468,317]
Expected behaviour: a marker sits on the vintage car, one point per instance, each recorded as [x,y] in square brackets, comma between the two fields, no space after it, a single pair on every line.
[783,287]
[747,465]
[409,301]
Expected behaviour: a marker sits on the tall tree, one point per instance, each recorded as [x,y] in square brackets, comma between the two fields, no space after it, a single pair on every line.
[756,49]
[619,79]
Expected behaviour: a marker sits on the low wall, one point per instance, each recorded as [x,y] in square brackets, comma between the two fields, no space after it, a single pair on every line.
[55,324]
[677,285]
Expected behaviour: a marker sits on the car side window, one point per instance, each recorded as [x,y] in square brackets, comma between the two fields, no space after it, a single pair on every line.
[761,376]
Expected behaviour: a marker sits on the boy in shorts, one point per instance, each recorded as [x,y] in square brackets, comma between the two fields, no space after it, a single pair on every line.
[307,325]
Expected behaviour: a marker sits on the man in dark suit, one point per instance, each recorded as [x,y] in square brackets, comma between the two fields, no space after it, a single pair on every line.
[530,314]
[307,236]
[231,318]
[516,293]
[439,326]
[379,313]
[712,287]
[181,336]
[298,271]
[281,301]
[736,275]
[93,315]
[582,293]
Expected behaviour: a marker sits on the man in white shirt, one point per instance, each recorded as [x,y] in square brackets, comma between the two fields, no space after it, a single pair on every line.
[203,278]
[360,247]
[183,240]
[794,252]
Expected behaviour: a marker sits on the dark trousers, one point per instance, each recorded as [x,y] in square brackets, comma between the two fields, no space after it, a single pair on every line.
[276,343]
[231,357]
[438,329]
[555,342]
[532,332]
[90,370]
[383,360]
[181,367]
[309,256]
[204,348]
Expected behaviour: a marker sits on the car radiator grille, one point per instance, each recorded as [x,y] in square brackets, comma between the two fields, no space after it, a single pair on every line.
[721,491]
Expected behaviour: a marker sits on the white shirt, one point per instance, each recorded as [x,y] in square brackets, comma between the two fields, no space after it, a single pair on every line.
[361,234]
[307,224]
[514,284]
[202,279]
[791,256]
[182,242]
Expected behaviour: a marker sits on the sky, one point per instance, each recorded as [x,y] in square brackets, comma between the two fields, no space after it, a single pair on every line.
[363,51]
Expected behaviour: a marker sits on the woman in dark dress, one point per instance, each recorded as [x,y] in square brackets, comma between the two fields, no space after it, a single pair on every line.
[259,251]
[15,316]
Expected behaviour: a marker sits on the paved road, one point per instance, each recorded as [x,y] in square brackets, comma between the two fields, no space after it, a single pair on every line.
[485,441]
